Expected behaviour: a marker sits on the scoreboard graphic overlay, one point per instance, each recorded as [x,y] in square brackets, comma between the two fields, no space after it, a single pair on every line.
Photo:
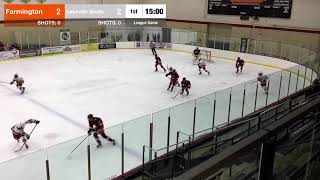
[259,8]
[56,14]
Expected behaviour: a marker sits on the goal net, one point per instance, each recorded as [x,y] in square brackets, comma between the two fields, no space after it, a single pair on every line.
[206,55]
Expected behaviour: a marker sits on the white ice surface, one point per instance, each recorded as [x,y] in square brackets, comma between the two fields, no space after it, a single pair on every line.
[117,85]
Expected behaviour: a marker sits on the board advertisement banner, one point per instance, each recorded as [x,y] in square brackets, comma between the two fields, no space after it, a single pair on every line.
[29,52]
[71,48]
[158,45]
[4,55]
[107,46]
[52,50]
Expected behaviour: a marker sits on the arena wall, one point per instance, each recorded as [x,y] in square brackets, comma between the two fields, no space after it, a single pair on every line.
[192,16]
[197,11]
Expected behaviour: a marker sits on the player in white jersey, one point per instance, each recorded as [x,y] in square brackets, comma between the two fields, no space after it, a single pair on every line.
[202,65]
[19,82]
[153,48]
[263,79]
[18,131]
[196,55]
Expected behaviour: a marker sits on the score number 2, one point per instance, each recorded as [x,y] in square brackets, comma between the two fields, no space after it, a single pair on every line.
[58,11]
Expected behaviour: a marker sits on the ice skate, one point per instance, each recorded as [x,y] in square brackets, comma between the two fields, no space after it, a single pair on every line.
[23,89]
[99,145]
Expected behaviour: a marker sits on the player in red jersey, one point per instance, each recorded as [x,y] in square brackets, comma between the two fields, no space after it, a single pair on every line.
[159,63]
[239,64]
[185,86]
[174,76]
[96,126]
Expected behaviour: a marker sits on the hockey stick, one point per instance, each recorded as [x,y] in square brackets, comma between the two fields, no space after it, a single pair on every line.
[26,141]
[4,82]
[176,94]
[78,145]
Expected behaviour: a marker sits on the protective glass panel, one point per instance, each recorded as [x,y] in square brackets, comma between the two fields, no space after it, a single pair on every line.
[61,158]
[222,106]
[160,129]
[204,113]
[237,101]
[136,134]
[274,86]
[181,119]
[250,96]
[30,166]
[108,155]
[285,80]
[234,44]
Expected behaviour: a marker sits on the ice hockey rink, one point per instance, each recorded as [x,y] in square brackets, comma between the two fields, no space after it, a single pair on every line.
[116,85]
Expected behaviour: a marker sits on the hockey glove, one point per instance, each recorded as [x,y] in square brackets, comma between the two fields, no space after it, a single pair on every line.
[27,136]
[90,131]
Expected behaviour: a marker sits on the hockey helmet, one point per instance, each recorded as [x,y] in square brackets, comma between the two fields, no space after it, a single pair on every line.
[90,116]
[170,68]
[260,74]
[184,79]
[19,126]
[15,75]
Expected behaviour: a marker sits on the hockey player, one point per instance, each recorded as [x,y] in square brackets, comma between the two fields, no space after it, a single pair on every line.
[174,76]
[19,82]
[185,86]
[18,131]
[263,81]
[196,55]
[202,65]
[158,62]
[170,70]
[239,64]
[153,47]
[96,126]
